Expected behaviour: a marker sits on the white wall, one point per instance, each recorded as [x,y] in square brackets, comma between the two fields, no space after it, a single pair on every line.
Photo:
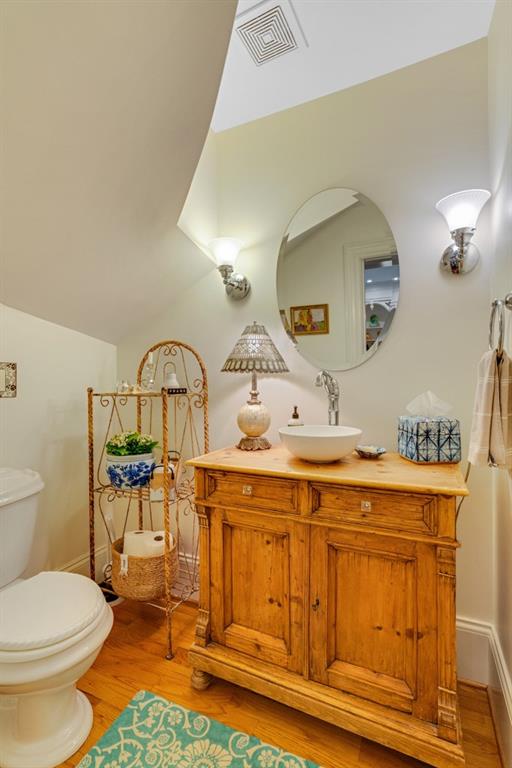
[404,140]
[500,129]
[45,426]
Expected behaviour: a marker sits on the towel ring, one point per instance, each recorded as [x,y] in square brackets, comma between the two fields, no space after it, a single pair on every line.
[497,309]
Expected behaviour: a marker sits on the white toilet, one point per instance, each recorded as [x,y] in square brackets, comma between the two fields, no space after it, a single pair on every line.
[52,627]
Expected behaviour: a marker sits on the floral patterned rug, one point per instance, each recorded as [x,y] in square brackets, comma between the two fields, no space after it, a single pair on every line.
[155,733]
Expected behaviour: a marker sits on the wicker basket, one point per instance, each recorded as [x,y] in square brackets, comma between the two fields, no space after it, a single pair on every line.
[145,579]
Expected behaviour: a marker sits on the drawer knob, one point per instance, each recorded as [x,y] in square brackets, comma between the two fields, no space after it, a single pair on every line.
[316,604]
[247,490]
[366,506]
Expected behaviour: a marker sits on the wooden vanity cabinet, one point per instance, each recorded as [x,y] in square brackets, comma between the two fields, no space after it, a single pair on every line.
[331,588]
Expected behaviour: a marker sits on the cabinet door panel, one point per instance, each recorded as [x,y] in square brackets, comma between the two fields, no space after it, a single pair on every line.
[257,586]
[367,621]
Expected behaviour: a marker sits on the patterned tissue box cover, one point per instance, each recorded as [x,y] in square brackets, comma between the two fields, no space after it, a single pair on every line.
[429,441]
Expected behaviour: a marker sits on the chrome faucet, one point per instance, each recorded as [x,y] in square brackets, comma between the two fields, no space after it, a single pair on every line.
[324,379]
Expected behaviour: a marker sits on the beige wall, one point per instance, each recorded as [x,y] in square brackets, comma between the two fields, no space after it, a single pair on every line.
[45,426]
[404,140]
[500,130]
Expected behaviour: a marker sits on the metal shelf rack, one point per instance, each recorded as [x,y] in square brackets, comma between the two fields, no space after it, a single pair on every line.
[180,423]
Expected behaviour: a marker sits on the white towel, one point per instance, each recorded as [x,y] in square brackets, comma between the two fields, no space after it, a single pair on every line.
[491,429]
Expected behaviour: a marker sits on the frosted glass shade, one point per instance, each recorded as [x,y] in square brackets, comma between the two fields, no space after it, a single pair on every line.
[463,208]
[225,250]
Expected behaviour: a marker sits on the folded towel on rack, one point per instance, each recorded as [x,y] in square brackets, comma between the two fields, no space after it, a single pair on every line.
[491,429]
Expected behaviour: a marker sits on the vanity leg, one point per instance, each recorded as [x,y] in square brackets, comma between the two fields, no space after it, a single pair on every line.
[200,680]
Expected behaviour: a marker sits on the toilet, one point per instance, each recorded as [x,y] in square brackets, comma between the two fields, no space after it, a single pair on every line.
[52,627]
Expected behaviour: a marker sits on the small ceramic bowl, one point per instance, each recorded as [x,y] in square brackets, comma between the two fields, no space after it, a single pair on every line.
[370,451]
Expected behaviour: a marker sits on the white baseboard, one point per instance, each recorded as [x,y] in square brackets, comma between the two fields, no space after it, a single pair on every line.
[81,564]
[500,696]
[473,650]
[480,658]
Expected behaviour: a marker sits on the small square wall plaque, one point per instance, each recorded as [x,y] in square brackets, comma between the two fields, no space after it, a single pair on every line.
[8,379]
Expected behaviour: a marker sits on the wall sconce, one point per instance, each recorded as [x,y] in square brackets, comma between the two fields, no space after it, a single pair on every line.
[461,211]
[225,251]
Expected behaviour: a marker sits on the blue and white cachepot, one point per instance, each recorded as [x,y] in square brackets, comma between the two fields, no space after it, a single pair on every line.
[127,472]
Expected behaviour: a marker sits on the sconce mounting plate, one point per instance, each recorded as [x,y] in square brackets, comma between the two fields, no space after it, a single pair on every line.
[461,256]
[237,285]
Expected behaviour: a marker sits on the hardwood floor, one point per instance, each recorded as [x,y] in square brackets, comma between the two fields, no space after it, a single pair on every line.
[132,659]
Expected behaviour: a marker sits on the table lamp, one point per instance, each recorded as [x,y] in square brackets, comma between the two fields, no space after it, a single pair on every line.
[254,353]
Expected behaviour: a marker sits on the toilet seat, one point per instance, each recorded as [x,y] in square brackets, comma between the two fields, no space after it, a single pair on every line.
[47,613]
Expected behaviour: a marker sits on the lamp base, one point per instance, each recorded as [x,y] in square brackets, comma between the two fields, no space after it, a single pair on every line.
[253,444]
[253,420]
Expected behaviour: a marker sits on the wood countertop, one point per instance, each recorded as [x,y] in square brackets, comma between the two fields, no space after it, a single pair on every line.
[390,472]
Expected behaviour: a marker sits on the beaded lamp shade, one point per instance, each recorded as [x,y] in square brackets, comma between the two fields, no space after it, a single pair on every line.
[254,353]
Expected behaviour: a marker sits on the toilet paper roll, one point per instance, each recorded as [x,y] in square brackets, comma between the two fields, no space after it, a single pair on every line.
[145,543]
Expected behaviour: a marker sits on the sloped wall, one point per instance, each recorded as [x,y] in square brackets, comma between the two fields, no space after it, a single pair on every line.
[105,109]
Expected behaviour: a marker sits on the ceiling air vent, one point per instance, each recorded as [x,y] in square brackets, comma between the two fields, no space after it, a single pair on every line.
[267,36]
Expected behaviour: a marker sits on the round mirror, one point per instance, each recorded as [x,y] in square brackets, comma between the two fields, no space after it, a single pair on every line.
[338,279]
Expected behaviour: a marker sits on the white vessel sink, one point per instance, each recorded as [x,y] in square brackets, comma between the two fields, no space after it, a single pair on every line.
[320,443]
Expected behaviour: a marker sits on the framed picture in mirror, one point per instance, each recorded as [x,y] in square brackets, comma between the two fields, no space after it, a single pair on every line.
[310,319]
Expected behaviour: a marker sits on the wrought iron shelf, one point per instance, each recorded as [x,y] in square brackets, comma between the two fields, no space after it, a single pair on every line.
[180,424]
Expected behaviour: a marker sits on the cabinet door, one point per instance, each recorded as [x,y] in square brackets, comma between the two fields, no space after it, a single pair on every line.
[258,567]
[373,618]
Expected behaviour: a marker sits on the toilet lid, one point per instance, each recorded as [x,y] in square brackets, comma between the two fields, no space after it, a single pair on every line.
[46,609]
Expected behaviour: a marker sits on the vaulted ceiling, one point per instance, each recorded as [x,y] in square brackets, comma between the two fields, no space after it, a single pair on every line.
[105,108]
[286,52]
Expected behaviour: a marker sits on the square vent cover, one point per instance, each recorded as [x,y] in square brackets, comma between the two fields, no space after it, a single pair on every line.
[267,35]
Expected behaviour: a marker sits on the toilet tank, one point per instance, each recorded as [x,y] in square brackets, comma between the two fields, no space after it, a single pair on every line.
[19,498]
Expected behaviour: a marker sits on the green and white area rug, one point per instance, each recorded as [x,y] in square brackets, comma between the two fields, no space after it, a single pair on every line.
[154,733]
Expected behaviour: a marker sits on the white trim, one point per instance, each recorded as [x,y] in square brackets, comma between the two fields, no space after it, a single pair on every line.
[472,635]
[81,564]
[504,678]
[473,648]
[354,256]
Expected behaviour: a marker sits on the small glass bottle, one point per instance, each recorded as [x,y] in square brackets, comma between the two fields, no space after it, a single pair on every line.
[148,374]
[295,420]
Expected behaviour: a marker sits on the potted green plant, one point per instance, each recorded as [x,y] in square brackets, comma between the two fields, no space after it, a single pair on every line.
[130,460]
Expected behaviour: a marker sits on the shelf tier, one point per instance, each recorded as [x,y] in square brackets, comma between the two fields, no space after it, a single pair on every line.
[186,491]
[149,393]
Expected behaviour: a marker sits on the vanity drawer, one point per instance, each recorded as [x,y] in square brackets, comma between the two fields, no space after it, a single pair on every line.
[227,489]
[411,512]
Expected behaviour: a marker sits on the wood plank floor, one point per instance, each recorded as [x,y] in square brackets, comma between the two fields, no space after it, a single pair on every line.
[132,659]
